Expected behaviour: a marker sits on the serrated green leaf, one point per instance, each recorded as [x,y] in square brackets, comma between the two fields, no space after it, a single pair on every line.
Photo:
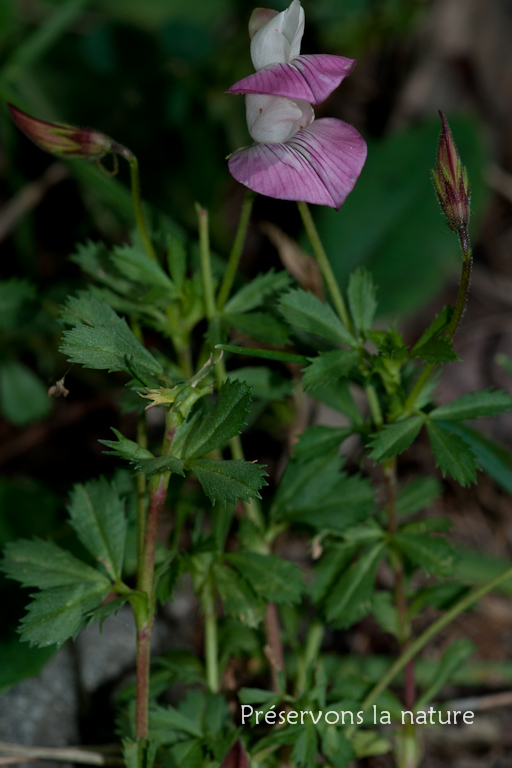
[23,396]
[335,559]
[265,383]
[491,457]
[101,339]
[272,578]
[102,613]
[436,351]
[254,293]
[266,354]
[350,501]
[361,299]
[229,481]
[260,325]
[126,449]
[417,495]
[136,265]
[395,438]
[432,555]
[304,310]
[57,614]
[97,515]
[237,596]
[350,599]
[139,753]
[303,483]
[306,746]
[474,405]
[319,441]
[439,323]
[43,564]
[452,454]
[337,748]
[164,720]
[154,466]
[224,422]
[329,367]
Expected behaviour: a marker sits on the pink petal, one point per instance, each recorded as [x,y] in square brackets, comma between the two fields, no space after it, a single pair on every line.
[319,164]
[310,78]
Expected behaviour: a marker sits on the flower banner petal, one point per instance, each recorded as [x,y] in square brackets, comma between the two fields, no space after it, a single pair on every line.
[278,41]
[309,78]
[319,164]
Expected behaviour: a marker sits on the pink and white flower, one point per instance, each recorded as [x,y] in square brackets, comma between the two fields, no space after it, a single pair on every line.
[294,157]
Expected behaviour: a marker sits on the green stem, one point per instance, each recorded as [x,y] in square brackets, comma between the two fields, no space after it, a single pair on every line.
[375,409]
[311,651]
[236,251]
[325,267]
[460,308]
[416,646]
[206,267]
[136,197]
[210,638]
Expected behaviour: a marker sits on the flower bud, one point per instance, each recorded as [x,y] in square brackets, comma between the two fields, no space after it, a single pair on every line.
[60,139]
[451,180]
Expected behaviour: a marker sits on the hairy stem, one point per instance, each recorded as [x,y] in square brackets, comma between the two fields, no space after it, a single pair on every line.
[236,251]
[325,267]
[157,492]
[136,197]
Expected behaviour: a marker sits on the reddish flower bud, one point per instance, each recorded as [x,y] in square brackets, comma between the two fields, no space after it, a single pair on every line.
[451,180]
[60,139]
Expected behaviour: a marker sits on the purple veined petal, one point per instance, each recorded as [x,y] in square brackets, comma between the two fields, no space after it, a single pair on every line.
[309,78]
[320,164]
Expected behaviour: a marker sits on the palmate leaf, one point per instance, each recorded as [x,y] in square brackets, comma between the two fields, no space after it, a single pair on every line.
[97,515]
[43,564]
[361,299]
[452,454]
[272,578]
[228,481]
[437,351]
[101,339]
[474,405]
[304,310]
[57,614]
[350,599]
[224,422]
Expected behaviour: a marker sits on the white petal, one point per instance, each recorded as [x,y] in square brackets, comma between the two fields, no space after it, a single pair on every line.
[275,118]
[278,42]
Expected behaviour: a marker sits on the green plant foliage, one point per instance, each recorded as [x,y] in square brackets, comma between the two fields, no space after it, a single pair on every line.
[98,517]
[101,339]
[224,422]
[395,438]
[305,311]
[452,454]
[253,294]
[350,598]
[329,367]
[272,578]
[361,299]
[228,481]
[474,405]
